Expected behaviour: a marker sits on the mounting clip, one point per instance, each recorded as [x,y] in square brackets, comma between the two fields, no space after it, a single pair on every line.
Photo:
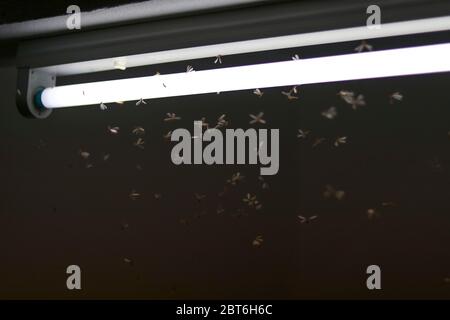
[30,84]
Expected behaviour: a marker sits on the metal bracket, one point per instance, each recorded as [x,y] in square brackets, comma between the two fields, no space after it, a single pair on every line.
[29,83]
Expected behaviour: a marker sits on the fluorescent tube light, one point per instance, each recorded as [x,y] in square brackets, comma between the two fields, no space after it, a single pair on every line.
[387,63]
[256,45]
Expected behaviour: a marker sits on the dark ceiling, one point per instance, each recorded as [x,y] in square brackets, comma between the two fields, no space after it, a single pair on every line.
[21,10]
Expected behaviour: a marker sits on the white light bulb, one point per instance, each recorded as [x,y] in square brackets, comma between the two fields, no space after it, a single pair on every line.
[387,63]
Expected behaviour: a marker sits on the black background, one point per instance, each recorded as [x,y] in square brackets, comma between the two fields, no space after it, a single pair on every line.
[55,212]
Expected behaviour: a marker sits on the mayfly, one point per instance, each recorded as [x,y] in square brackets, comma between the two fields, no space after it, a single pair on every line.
[84,154]
[220,209]
[258,241]
[168,136]
[347,96]
[221,122]
[339,141]
[291,93]
[372,213]
[264,184]
[157,196]
[113,130]
[302,134]
[307,219]
[171,117]
[139,143]
[330,113]
[250,200]
[205,124]
[317,142]
[331,192]
[257,119]
[396,96]
[358,102]
[134,195]
[120,65]
[199,197]
[235,178]
[364,46]
[139,131]
[218,59]
[141,101]
[258,92]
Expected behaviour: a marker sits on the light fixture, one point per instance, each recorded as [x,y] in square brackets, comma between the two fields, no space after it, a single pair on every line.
[386,63]
[38,95]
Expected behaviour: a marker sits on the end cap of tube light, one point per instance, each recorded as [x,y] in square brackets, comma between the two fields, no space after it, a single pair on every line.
[38,99]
